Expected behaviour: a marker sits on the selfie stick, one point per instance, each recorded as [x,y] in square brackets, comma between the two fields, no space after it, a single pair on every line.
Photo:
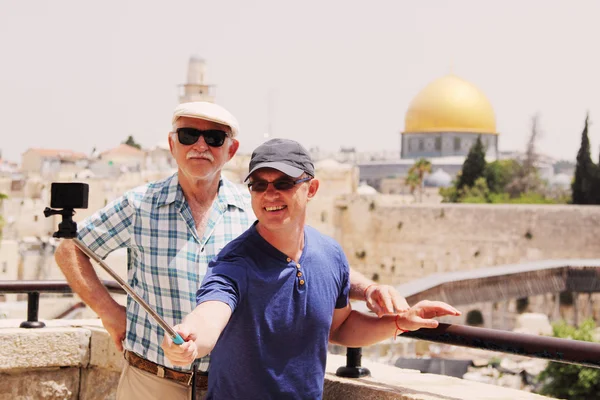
[67,229]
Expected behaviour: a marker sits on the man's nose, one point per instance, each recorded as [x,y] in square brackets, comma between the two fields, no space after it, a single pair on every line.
[271,192]
[200,145]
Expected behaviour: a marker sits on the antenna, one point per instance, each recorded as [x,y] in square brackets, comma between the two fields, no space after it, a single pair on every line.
[269,132]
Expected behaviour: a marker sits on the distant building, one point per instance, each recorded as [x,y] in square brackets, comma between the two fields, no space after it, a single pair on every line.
[8,168]
[124,155]
[51,162]
[159,158]
[196,88]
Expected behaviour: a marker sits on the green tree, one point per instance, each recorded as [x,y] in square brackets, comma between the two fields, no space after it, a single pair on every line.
[478,193]
[416,175]
[2,198]
[131,142]
[474,165]
[498,174]
[570,381]
[586,173]
[525,176]
[449,194]
[412,181]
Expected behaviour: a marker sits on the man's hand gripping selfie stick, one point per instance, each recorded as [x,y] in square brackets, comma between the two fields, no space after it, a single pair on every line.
[64,198]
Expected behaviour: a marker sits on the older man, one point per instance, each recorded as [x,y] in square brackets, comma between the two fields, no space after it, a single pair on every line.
[275,295]
[172,228]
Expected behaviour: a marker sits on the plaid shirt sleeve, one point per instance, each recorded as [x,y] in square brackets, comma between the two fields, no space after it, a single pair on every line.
[108,229]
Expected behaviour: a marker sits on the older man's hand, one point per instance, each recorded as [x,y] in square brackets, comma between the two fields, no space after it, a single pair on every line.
[384,299]
[421,315]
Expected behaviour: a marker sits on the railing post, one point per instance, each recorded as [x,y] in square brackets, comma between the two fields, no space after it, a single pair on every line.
[33,303]
[353,368]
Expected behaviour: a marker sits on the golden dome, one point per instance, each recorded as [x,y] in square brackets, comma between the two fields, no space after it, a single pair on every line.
[450,104]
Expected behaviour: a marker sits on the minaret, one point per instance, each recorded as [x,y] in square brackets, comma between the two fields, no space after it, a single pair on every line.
[196,89]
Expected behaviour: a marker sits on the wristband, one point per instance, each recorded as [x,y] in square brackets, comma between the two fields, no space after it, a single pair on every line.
[367,288]
[398,329]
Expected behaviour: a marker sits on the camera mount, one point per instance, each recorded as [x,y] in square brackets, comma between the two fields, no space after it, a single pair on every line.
[67,228]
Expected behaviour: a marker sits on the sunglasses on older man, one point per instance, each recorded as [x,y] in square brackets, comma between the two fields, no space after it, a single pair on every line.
[282,184]
[212,137]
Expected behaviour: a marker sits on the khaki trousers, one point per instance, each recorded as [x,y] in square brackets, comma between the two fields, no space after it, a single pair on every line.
[136,384]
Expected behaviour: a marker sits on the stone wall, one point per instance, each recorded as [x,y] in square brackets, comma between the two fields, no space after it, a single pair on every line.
[396,243]
[58,362]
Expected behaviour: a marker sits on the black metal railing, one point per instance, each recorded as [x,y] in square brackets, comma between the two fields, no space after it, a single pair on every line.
[548,348]
[544,347]
[33,290]
[70,309]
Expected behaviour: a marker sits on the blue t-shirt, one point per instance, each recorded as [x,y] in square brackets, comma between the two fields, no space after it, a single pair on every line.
[275,344]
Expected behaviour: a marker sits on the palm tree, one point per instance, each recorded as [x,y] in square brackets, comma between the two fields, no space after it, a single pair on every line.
[416,175]
[412,181]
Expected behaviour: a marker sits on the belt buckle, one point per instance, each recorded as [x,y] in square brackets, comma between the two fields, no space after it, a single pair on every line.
[190,379]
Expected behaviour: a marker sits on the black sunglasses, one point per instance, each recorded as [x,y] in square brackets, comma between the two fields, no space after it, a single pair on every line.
[279,184]
[212,137]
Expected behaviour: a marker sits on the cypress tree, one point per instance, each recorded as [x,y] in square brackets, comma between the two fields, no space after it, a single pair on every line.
[595,183]
[585,174]
[131,142]
[474,165]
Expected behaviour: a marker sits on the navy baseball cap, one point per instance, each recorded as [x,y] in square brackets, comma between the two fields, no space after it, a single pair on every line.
[285,155]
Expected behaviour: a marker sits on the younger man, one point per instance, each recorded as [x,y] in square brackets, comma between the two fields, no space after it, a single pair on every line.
[276,295]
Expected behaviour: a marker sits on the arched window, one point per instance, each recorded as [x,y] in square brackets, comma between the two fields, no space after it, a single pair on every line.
[474,318]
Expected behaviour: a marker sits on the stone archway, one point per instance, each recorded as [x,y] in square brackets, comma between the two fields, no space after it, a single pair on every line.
[474,318]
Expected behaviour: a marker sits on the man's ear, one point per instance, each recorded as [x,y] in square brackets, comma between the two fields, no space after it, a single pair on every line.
[171,145]
[313,188]
[233,148]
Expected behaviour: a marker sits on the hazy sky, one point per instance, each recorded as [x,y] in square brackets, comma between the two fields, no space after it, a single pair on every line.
[77,74]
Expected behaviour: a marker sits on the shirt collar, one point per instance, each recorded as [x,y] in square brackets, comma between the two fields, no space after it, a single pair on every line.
[228,194]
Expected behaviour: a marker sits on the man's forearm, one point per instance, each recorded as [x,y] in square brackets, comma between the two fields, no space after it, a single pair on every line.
[82,278]
[363,330]
[205,323]
[358,284]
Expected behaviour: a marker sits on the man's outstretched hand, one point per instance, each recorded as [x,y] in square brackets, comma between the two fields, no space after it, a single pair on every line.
[384,299]
[421,315]
[181,355]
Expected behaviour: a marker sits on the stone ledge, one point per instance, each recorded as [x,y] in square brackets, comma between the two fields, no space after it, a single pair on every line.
[45,347]
[388,382]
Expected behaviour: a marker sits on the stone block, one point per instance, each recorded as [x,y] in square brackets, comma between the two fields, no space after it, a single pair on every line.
[99,384]
[47,384]
[45,347]
[533,323]
[103,352]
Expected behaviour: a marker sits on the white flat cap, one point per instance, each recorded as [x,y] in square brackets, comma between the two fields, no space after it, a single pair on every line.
[208,111]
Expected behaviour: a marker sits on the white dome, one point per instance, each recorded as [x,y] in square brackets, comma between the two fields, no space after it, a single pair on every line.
[363,188]
[562,180]
[439,178]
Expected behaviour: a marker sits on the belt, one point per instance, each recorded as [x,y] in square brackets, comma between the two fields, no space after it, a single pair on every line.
[182,377]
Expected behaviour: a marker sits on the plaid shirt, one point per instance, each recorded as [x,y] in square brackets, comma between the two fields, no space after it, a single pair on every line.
[167,259]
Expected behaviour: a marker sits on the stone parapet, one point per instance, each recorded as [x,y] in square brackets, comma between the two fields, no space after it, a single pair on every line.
[43,348]
[392,383]
[78,360]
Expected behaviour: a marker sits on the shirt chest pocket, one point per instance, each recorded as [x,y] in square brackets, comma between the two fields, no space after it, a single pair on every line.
[171,263]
